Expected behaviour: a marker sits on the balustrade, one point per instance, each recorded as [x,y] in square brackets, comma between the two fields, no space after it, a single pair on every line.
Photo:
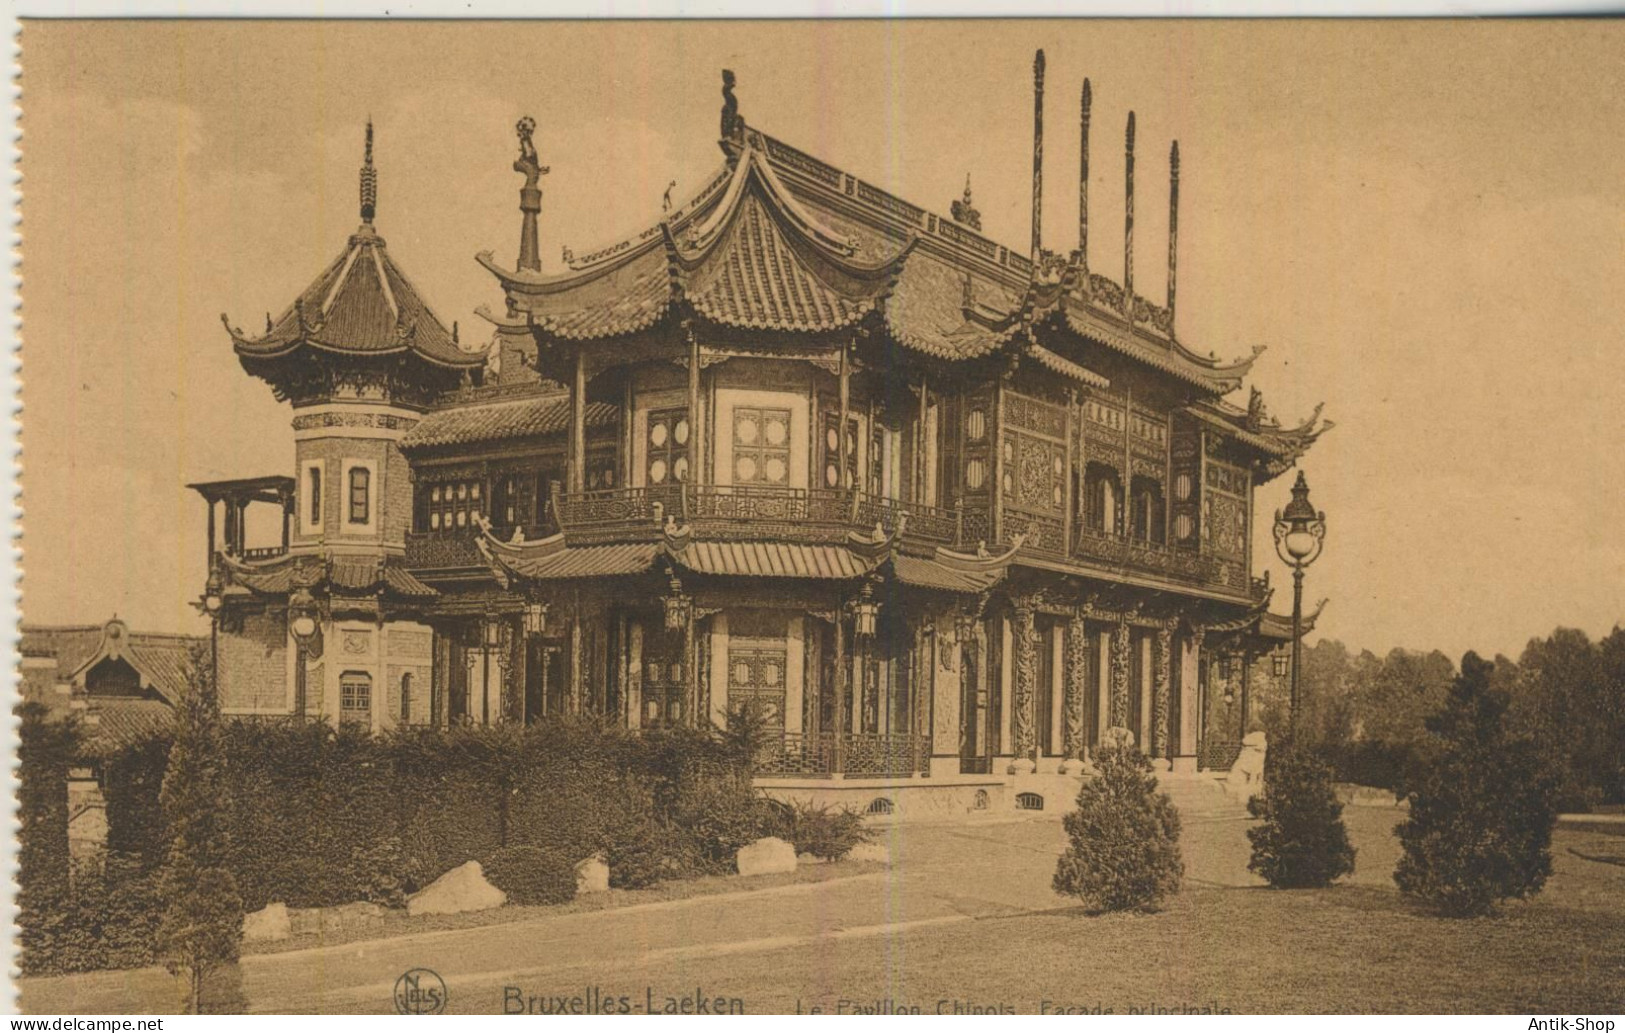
[825,754]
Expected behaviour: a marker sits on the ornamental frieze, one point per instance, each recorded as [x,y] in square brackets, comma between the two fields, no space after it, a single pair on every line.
[371,421]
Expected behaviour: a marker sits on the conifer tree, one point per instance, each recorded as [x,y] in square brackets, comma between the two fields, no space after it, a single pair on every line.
[201,931]
[1301,843]
[1482,806]
[1124,836]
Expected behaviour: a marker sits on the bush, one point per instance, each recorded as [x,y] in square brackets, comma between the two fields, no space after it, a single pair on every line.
[822,831]
[531,875]
[1482,806]
[1124,849]
[1302,843]
[719,815]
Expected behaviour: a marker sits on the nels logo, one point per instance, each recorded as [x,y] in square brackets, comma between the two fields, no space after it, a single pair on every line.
[420,991]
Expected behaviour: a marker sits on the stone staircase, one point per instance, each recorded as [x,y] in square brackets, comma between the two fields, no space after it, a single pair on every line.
[1202,796]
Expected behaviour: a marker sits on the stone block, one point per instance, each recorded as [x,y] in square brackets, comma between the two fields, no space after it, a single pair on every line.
[270,922]
[592,876]
[766,856]
[870,852]
[464,888]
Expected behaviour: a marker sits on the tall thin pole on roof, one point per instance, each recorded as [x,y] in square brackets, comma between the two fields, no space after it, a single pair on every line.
[1173,227]
[1128,222]
[1085,103]
[1038,155]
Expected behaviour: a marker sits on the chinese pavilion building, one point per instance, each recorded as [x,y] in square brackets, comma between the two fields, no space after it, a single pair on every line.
[942,511]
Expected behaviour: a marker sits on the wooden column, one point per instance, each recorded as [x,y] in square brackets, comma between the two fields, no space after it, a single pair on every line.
[1162,688]
[578,427]
[842,661]
[844,451]
[1120,667]
[634,680]
[1077,692]
[691,661]
[1147,666]
[574,705]
[696,438]
[210,557]
[1025,670]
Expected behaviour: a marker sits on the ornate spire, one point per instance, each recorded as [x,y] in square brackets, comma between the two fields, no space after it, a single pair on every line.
[964,212]
[1085,102]
[1128,222]
[733,124]
[1173,228]
[530,195]
[1038,156]
[369,181]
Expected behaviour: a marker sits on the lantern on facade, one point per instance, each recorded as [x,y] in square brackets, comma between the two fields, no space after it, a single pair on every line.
[493,633]
[865,613]
[212,597]
[677,605]
[535,617]
[1280,661]
[302,615]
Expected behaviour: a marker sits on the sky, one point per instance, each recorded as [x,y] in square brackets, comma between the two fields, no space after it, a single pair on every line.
[1424,222]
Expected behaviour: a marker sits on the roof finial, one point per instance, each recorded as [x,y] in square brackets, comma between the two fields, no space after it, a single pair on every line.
[1085,103]
[1128,222]
[964,211]
[1173,228]
[369,181]
[1038,155]
[530,195]
[733,124]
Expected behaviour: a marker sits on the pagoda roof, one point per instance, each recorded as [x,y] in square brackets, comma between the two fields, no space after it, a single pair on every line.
[361,304]
[1254,427]
[744,253]
[345,575]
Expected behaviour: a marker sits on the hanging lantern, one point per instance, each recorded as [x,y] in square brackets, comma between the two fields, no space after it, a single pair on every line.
[865,613]
[535,617]
[1281,661]
[677,606]
[493,633]
[212,597]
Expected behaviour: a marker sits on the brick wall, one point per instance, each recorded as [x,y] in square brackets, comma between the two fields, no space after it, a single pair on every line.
[253,665]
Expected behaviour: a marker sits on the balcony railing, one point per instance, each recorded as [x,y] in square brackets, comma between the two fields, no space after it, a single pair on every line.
[853,755]
[752,511]
[265,552]
[1116,550]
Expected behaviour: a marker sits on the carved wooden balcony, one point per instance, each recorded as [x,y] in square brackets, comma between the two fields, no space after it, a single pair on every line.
[748,512]
[1105,549]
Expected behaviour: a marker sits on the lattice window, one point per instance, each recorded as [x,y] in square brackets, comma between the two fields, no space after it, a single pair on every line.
[880,805]
[360,494]
[667,447]
[830,445]
[761,446]
[315,494]
[1029,802]
[454,504]
[756,679]
[1148,520]
[600,474]
[665,679]
[355,698]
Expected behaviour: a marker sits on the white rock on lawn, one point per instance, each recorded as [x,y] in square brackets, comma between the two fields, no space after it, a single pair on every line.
[870,852]
[592,876]
[766,856]
[462,889]
[268,923]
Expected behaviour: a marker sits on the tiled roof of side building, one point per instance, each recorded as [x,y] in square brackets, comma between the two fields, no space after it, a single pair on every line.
[532,416]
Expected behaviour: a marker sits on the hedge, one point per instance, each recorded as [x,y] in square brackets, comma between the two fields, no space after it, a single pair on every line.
[318,816]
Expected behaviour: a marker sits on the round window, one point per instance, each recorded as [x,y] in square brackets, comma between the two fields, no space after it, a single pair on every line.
[975,474]
[745,468]
[832,440]
[742,673]
[775,470]
[777,430]
[680,433]
[657,472]
[657,434]
[746,430]
[832,476]
[1009,484]
[1183,527]
[1182,487]
[770,674]
[679,469]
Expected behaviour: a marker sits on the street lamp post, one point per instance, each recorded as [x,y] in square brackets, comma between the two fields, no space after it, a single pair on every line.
[302,622]
[1300,533]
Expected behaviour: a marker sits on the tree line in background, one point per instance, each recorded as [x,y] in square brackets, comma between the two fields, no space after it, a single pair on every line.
[1367,715]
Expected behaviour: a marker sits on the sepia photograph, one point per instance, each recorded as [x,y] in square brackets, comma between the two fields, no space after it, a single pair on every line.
[843,517]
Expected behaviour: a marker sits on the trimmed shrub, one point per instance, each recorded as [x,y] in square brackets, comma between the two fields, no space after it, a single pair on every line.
[531,875]
[1302,843]
[825,832]
[1482,806]
[1124,849]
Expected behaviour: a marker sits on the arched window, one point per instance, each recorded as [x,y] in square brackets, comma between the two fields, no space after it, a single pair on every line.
[355,698]
[1103,496]
[315,494]
[360,494]
[1147,511]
